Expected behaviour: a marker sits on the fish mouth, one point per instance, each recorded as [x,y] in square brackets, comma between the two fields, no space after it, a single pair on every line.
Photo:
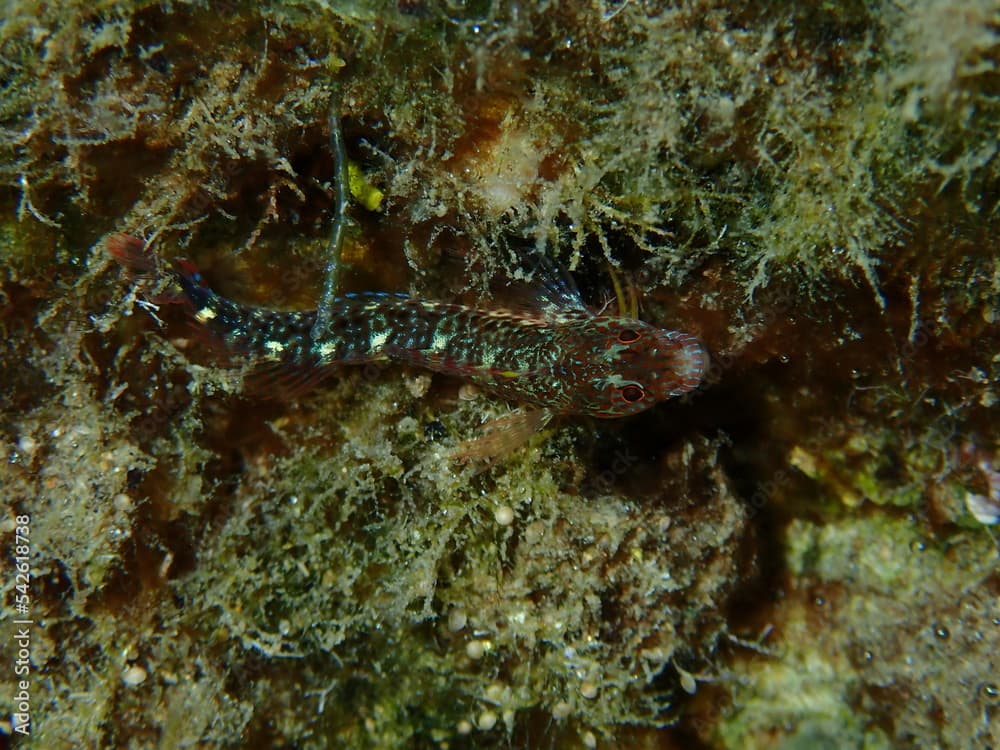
[688,364]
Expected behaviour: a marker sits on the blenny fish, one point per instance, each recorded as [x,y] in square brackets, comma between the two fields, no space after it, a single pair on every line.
[551,353]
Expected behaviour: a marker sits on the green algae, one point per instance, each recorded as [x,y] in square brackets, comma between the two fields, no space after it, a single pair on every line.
[214,567]
[888,557]
[898,611]
[379,544]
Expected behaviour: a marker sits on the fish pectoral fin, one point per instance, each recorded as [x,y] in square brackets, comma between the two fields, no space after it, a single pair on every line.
[501,436]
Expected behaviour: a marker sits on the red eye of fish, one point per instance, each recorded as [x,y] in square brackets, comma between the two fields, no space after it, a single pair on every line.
[632,393]
[627,336]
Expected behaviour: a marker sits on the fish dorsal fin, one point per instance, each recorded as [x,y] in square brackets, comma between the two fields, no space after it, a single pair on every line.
[542,289]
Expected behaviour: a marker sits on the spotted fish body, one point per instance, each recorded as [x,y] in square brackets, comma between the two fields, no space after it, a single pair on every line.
[566,361]
[553,354]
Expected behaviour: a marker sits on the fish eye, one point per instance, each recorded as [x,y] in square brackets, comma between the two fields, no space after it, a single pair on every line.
[632,393]
[627,336]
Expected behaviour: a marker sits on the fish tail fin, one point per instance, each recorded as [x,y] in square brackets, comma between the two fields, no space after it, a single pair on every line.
[132,255]
[142,265]
[177,283]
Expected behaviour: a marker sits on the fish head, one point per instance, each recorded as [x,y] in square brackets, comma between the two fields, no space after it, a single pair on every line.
[622,366]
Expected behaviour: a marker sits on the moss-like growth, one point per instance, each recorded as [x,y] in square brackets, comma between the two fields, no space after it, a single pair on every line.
[215,567]
[384,558]
[878,611]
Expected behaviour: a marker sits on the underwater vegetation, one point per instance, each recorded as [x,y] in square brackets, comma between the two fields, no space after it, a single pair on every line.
[802,553]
